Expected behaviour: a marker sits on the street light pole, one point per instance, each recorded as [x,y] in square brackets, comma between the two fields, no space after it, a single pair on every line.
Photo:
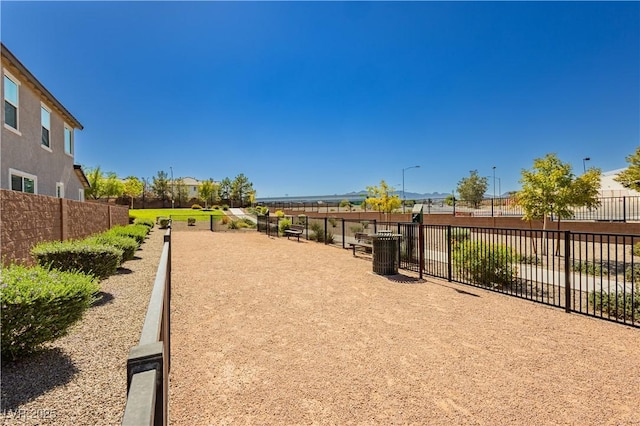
[172,196]
[404,198]
[494,181]
[584,164]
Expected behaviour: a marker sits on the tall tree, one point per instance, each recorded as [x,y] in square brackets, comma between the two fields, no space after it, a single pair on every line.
[113,187]
[473,188]
[240,189]
[225,190]
[206,191]
[181,191]
[630,177]
[382,198]
[133,188]
[95,178]
[160,186]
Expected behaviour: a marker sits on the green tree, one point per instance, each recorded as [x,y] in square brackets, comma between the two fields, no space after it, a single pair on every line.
[383,198]
[550,188]
[225,190]
[132,188]
[160,186]
[240,189]
[345,203]
[181,191]
[630,177]
[473,188]
[113,187]
[95,178]
[206,191]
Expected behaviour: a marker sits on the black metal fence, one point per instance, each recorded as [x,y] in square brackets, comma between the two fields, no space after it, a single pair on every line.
[610,209]
[149,362]
[588,273]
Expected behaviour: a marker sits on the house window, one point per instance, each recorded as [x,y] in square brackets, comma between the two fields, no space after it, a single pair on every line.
[60,190]
[45,120]
[22,182]
[68,140]
[10,103]
[81,194]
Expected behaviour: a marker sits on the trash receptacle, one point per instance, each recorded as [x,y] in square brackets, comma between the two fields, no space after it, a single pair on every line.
[385,253]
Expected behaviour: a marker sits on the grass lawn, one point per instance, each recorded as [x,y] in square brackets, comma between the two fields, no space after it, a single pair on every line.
[176,214]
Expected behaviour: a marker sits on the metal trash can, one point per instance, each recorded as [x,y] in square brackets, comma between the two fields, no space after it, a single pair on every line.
[385,253]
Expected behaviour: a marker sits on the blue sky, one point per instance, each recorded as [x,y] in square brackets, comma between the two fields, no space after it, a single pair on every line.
[314,98]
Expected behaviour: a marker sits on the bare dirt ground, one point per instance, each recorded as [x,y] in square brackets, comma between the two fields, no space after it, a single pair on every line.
[272,331]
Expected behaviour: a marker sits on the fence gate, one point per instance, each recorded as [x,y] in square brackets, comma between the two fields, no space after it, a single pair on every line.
[409,247]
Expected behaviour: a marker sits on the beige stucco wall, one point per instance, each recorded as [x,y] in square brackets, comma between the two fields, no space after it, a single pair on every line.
[24,151]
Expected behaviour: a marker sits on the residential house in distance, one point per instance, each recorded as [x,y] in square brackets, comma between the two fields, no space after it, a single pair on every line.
[37,146]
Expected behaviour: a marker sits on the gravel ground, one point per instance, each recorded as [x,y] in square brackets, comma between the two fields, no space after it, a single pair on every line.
[80,379]
[272,331]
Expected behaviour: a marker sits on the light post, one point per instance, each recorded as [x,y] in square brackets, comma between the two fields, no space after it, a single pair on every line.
[494,181]
[172,197]
[404,198]
[584,164]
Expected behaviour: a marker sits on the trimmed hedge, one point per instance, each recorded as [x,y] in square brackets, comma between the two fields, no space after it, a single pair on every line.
[128,245]
[138,232]
[144,221]
[485,264]
[39,305]
[99,260]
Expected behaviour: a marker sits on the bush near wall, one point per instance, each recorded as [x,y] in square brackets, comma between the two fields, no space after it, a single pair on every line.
[138,232]
[99,260]
[39,305]
[128,245]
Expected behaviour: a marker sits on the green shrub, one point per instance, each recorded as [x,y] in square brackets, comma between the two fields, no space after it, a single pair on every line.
[261,210]
[529,259]
[196,207]
[485,264]
[459,235]
[225,220]
[128,245]
[99,260]
[636,249]
[632,274]
[588,267]
[225,207]
[238,224]
[625,306]
[39,305]
[318,233]
[191,221]
[302,219]
[333,221]
[163,222]
[283,225]
[356,229]
[138,232]
[145,222]
[249,222]
[279,213]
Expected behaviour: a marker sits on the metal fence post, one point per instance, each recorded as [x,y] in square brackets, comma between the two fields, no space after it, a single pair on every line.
[492,200]
[567,271]
[343,236]
[449,274]
[421,248]
[325,228]
[624,209]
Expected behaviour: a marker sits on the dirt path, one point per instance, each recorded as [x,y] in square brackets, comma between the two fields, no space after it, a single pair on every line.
[271,331]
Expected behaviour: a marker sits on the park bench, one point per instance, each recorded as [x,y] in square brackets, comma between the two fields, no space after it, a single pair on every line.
[294,231]
[362,240]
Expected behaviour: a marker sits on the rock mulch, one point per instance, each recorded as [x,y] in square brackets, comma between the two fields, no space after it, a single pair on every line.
[271,331]
[80,379]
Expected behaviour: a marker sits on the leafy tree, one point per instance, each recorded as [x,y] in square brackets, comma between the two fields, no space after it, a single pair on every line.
[206,191]
[160,185]
[225,189]
[95,178]
[240,189]
[630,177]
[473,188]
[345,203]
[181,191]
[550,188]
[449,200]
[383,198]
[132,188]
[113,187]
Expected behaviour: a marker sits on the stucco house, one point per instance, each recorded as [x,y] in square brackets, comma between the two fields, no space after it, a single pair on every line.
[610,187]
[37,146]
